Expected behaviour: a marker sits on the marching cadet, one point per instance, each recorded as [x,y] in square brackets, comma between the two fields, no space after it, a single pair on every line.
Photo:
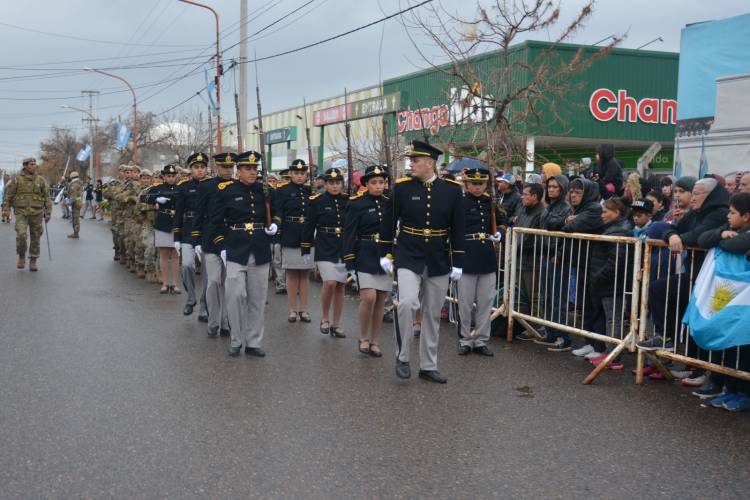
[75,190]
[367,240]
[209,252]
[238,220]
[28,195]
[323,229]
[291,203]
[477,284]
[164,196]
[428,252]
[187,202]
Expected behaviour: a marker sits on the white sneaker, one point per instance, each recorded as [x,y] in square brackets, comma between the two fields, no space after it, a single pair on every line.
[593,354]
[582,351]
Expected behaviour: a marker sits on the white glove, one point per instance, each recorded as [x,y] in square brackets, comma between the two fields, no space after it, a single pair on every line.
[306,259]
[199,253]
[178,247]
[456,273]
[272,229]
[224,257]
[386,264]
[496,237]
[161,200]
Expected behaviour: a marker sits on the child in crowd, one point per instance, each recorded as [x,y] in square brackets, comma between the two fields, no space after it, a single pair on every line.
[642,210]
[733,237]
[658,200]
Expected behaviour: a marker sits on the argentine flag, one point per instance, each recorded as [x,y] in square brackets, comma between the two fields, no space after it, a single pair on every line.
[719,310]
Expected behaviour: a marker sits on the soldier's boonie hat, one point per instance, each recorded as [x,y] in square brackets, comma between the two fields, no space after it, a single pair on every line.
[74,175]
[197,158]
[476,175]
[122,168]
[373,171]
[169,169]
[419,148]
[134,167]
[146,173]
[28,159]
[249,159]
[225,159]
[298,165]
[333,174]
[643,205]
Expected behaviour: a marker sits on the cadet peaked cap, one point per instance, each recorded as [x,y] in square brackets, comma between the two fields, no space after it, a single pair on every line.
[333,174]
[298,165]
[476,175]
[373,171]
[249,159]
[643,205]
[225,159]
[197,158]
[419,148]
[169,169]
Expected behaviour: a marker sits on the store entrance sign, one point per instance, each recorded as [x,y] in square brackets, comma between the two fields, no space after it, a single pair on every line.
[606,105]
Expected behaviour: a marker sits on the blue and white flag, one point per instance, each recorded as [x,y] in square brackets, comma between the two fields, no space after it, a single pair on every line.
[703,167]
[122,136]
[84,153]
[719,310]
[210,88]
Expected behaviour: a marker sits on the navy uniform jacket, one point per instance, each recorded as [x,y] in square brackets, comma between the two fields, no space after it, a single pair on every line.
[202,232]
[185,209]
[165,213]
[431,230]
[290,212]
[480,251]
[367,232]
[325,223]
[237,222]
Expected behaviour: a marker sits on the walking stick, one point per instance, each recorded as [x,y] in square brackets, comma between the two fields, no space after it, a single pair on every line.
[46,235]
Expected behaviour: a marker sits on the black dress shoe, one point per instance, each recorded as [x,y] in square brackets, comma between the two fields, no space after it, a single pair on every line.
[463,350]
[432,376]
[234,351]
[212,333]
[402,369]
[203,318]
[255,351]
[188,310]
[224,332]
[484,351]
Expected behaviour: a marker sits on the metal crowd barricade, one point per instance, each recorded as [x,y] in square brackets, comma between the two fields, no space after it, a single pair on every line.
[670,278]
[544,290]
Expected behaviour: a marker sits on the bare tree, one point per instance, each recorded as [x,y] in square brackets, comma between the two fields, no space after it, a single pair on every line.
[184,135]
[55,151]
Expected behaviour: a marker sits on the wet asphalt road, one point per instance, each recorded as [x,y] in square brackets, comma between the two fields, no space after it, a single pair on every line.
[106,390]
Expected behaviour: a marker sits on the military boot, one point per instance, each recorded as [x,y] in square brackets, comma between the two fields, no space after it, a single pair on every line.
[73,236]
[32,264]
[21,262]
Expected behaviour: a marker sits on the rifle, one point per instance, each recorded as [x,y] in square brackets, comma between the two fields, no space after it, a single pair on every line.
[489,159]
[347,129]
[309,144]
[262,142]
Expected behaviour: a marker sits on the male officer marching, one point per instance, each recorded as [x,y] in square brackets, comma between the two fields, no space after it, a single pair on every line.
[237,220]
[75,190]
[28,195]
[429,250]
[187,203]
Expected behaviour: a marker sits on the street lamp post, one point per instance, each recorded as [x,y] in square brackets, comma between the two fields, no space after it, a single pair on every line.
[135,109]
[218,72]
[92,132]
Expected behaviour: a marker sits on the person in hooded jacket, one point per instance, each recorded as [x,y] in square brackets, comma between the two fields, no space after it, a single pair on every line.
[508,200]
[610,171]
[557,268]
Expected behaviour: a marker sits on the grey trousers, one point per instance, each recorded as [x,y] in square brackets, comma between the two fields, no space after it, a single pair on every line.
[479,289]
[432,298]
[187,271]
[215,274]
[247,290]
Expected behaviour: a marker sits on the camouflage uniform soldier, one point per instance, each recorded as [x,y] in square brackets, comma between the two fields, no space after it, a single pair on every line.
[110,193]
[150,256]
[75,190]
[139,216]
[29,196]
[131,229]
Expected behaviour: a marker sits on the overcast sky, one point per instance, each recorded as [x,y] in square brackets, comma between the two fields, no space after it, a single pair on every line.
[40,72]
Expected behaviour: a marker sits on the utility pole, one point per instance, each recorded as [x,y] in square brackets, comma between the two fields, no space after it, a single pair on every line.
[92,133]
[242,115]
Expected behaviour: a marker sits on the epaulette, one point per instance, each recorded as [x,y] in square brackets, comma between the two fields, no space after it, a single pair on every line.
[223,185]
[314,196]
[206,178]
[183,181]
[487,195]
[452,181]
[385,197]
[158,184]
[358,195]
[403,179]
[281,184]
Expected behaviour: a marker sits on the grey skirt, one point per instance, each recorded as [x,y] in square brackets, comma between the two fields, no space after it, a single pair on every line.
[291,258]
[163,239]
[380,282]
[332,272]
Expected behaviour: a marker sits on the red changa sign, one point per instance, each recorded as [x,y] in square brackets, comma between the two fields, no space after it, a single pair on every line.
[605,105]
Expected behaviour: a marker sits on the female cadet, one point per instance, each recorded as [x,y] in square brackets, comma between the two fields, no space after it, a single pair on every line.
[291,205]
[367,238]
[324,229]
[165,196]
